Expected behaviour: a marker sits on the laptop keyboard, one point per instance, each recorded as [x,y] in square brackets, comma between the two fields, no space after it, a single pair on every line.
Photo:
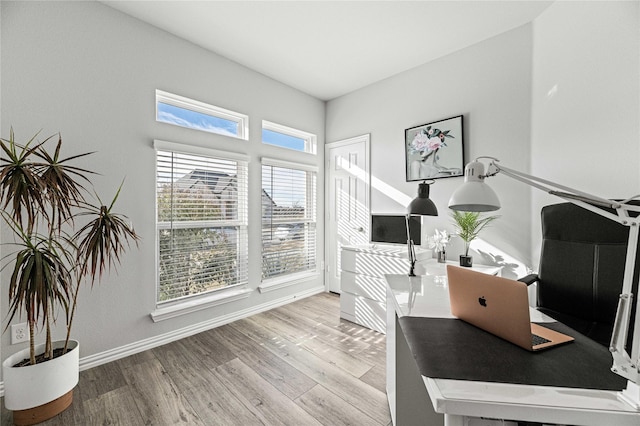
[537,340]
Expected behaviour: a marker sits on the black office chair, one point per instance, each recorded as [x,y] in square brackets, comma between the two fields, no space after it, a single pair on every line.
[581,269]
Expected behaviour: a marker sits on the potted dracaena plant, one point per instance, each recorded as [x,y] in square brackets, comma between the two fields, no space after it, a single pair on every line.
[62,240]
[468,225]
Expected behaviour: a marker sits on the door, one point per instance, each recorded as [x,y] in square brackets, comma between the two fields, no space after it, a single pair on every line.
[348,201]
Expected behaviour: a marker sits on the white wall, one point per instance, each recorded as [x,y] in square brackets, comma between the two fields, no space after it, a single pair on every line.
[558,98]
[91,72]
[586,100]
[1,133]
[490,85]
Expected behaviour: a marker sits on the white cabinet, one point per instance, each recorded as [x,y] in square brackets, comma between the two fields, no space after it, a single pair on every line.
[363,286]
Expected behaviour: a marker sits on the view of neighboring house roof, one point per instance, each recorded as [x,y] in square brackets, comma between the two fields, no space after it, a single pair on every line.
[215,182]
[267,198]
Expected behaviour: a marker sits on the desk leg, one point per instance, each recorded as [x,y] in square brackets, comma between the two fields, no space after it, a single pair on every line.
[453,420]
[412,403]
[391,356]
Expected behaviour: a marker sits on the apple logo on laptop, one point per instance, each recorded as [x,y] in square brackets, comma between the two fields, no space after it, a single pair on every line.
[482,301]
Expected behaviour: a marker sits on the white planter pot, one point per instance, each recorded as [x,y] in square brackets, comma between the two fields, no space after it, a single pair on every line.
[34,385]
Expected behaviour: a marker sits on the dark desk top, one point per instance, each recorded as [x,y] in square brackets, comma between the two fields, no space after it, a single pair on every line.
[448,348]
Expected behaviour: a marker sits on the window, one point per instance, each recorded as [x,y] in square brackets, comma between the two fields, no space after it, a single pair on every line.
[201,221]
[286,137]
[288,218]
[185,112]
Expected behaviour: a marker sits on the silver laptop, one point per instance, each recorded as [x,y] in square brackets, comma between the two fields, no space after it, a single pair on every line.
[499,306]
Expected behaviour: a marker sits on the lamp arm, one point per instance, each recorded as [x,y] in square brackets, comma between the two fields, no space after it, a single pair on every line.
[411,254]
[572,195]
[625,365]
[585,200]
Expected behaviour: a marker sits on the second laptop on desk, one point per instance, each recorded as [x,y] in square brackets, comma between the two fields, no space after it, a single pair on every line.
[499,306]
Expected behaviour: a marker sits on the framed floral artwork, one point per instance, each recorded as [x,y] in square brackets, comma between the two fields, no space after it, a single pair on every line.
[434,150]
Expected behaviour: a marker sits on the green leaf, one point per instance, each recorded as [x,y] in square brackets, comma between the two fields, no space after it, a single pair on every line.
[469,224]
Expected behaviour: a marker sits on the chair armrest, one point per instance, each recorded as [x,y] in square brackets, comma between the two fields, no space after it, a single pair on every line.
[529,279]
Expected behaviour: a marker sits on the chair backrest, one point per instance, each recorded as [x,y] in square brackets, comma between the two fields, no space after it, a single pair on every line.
[581,268]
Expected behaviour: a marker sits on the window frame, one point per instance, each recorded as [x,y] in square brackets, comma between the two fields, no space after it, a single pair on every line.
[242,120]
[311,188]
[310,140]
[170,308]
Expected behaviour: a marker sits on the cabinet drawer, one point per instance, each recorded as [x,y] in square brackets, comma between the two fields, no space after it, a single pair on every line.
[363,285]
[373,265]
[365,312]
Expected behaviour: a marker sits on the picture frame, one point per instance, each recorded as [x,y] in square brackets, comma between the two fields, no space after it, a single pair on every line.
[434,150]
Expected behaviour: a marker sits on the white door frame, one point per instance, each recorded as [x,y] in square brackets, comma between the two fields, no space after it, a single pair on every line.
[330,241]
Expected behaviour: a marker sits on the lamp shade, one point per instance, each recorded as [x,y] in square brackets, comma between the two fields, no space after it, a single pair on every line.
[474,195]
[422,205]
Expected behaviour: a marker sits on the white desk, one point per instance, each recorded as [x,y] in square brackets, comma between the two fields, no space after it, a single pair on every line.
[363,294]
[454,402]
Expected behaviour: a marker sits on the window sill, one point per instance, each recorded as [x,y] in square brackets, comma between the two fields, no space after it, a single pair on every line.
[286,281]
[198,303]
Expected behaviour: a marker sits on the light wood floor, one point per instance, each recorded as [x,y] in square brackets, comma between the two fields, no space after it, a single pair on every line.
[299,364]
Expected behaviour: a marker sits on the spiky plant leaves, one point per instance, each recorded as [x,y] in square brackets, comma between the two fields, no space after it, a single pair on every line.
[101,242]
[40,280]
[469,224]
[20,185]
[46,196]
[63,190]
[104,238]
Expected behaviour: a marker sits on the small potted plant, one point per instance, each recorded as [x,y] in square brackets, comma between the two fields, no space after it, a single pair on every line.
[468,225]
[438,242]
[61,240]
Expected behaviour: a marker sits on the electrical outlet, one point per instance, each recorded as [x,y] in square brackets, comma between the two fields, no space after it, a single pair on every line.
[19,333]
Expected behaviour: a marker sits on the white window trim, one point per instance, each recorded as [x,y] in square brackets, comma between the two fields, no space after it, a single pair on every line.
[267,161]
[271,284]
[310,140]
[198,303]
[161,145]
[281,281]
[208,109]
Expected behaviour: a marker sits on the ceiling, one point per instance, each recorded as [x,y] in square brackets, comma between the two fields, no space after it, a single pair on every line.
[330,48]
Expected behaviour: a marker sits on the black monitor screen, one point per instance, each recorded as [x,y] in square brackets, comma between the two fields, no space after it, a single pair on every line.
[392,229]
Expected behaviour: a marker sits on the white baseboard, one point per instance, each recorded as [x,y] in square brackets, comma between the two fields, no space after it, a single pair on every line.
[152,342]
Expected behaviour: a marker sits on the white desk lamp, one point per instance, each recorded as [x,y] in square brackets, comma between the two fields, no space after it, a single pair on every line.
[476,195]
[419,206]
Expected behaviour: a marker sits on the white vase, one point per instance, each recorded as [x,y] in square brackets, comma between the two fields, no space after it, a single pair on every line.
[35,385]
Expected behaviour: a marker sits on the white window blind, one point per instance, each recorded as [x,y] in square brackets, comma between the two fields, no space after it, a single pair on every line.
[288,219]
[201,223]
